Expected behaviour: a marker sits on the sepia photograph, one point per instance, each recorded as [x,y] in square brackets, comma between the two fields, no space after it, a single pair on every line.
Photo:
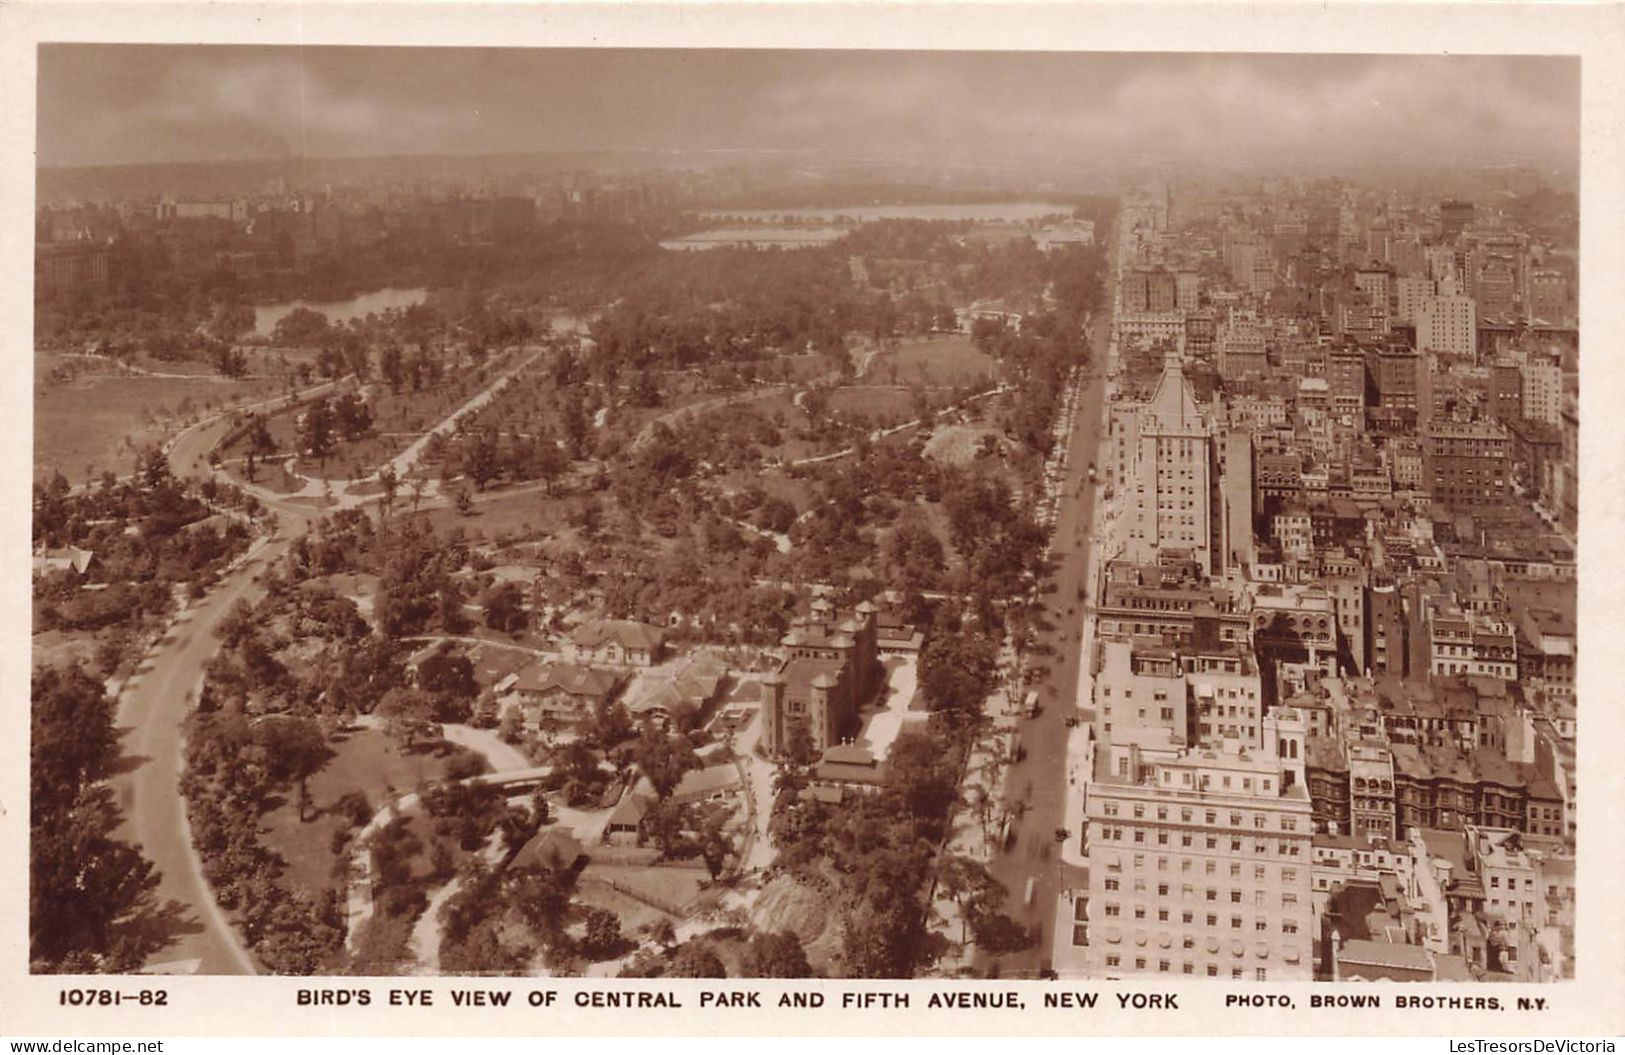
[623,515]
[702,514]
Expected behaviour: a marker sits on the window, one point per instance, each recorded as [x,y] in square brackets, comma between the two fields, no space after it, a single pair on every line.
[1190,968]
[1162,889]
[1162,965]
[1261,924]
[1213,970]
[1139,912]
[1235,897]
[1112,884]
[1186,917]
[1212,920]
[1162,914]
[1112,959]
[1112,909]
[1212,895]
[1139,963]
[1235,922]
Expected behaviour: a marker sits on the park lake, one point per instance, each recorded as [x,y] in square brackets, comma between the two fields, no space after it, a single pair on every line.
[266,316]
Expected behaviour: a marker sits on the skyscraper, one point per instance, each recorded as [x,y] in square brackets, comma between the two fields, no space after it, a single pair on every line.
[1165,463]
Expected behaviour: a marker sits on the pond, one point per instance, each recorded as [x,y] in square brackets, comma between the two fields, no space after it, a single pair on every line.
[266,316]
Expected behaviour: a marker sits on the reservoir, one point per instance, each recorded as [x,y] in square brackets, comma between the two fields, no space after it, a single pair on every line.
[980,212]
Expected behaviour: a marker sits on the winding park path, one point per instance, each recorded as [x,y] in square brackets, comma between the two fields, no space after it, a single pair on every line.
[155,702]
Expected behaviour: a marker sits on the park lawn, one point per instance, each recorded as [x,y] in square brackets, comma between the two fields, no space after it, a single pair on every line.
[53,648]
[633,914]
[364,760]
[398,419]
[882,405]
[497,515]
[97,423]
[670,888]
[940,362]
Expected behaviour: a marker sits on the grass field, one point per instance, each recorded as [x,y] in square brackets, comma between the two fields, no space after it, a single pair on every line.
[938,362]
[880,404]
[364,760]
[99,422]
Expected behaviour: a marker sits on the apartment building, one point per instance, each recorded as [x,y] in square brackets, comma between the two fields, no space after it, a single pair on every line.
[1200,864]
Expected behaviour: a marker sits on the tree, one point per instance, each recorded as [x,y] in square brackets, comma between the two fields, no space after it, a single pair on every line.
[352,416]
[390,482]
[85,887]
[505,608]
[464,501]
[389,364]
[695,960]
[714,843]
[885,940]
[775,955]
[297,750]
[301,327]
[445,672]
[663,758]
[316,430]
[542,895]
[971,887]
[550,462]
[484,460]
[603,933]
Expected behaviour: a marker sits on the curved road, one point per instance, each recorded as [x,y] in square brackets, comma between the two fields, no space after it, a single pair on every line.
[152,713]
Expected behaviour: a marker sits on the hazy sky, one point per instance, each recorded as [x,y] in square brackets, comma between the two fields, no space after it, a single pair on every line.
[106,104]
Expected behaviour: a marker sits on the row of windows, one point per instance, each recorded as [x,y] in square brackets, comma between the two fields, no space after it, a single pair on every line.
[1140,964]
[1210,818]
[1187,916]
[1260,874]
[1187,840]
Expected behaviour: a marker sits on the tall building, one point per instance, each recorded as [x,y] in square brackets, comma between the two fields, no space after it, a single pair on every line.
[1542,390]
[1376,283]
[1165,465]
[1454,216]
[1239,346]
[1187,289]
[1448,325]
[1506,390]
[1409,292]
[1465,463]
[1548,295]
[1199,861]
